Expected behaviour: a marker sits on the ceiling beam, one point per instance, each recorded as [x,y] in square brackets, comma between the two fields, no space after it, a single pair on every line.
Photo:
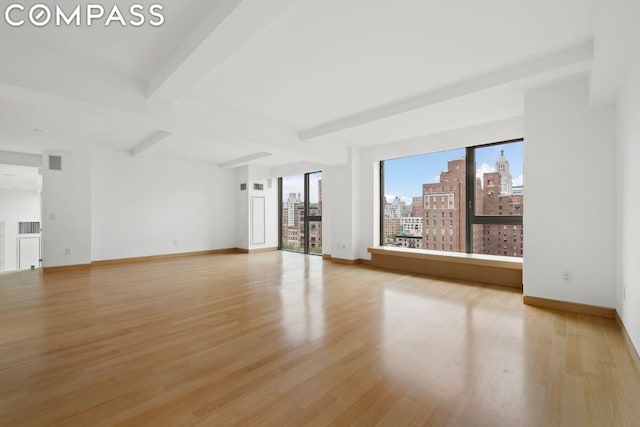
[225,29]
[153,139]
[86,92]
[188,118]
[582,53]
[20,159]
[244,160]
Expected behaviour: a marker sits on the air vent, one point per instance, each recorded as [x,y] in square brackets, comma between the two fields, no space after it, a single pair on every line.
[243,187]
[55,163]
[257,186]
[28,227]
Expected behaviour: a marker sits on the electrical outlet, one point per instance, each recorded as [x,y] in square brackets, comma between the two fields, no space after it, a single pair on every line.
[566,276]
[67,251]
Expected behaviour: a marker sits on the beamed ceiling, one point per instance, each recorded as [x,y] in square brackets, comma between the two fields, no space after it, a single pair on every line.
[224,81]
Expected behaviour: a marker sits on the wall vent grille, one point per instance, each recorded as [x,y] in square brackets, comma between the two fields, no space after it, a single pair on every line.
[55,163]
[29,227]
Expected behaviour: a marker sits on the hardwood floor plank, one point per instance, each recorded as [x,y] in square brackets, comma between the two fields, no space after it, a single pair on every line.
[284,339]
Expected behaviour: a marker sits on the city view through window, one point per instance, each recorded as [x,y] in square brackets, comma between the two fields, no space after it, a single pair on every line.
[301,222]
[425,199]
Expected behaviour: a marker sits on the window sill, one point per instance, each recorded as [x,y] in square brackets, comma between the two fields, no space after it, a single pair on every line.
[490,269]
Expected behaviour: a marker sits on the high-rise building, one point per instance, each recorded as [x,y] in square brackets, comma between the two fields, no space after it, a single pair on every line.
[417,207]
[502,167]
[505,240]
[444,212]
[315,227]
[290,206]
[444,216]
[393,213]
[294,219]
[395,209]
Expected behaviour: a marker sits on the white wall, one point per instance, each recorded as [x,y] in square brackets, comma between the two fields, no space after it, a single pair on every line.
[628,286]
[341,210]
[569,221]
[242,207]
[368,191]
[147,205]
[66,209]
[16,206]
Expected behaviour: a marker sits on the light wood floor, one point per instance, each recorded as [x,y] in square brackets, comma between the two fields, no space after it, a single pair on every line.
[285,339]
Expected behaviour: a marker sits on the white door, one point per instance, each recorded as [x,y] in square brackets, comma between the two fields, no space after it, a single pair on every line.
[28,252]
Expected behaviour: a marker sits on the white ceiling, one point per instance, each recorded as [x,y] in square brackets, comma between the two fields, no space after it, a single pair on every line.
[323,60]
[132,52]
[302,80]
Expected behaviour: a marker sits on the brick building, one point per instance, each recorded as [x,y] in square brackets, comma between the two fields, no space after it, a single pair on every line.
[497,197]
[444,213]
[444,216]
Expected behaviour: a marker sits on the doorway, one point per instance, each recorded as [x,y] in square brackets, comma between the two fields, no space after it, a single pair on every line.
[20,216]
[301,213]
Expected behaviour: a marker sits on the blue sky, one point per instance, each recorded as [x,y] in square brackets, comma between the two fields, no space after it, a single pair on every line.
[404,176]
[295,184]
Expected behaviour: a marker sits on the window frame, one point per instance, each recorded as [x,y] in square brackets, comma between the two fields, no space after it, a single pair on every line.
[305,217]
[471,217]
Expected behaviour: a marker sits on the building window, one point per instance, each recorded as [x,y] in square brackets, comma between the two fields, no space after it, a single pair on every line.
[489,180]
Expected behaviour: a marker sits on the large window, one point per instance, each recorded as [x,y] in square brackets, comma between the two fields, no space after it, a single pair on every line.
[464,200]
[301,213]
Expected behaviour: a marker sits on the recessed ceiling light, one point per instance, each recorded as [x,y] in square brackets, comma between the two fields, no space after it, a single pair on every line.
[38,130]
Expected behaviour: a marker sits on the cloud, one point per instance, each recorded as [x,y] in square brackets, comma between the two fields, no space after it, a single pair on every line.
[405,199]
[518,180]
[484,168]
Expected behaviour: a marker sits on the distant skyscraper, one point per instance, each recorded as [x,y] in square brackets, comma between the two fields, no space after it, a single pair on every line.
[291,203]
[502,167]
